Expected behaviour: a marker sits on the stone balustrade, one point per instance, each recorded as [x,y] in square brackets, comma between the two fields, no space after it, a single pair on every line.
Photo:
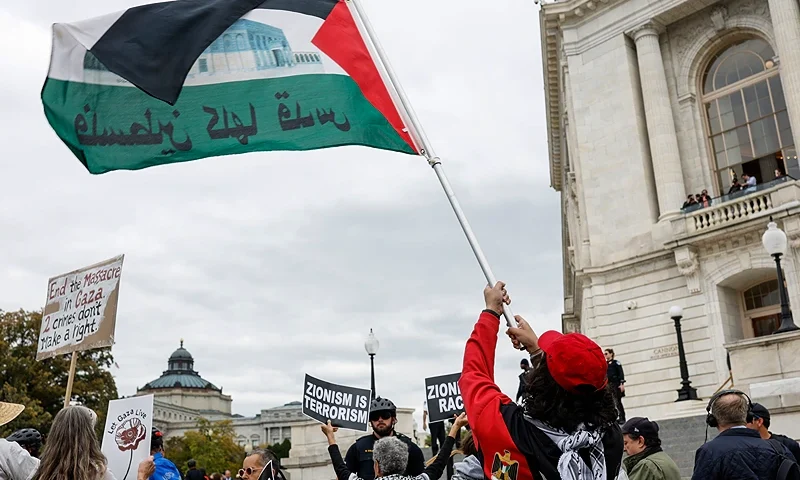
[729,211]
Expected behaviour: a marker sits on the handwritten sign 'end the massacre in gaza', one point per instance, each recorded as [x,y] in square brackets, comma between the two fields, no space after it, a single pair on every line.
[345,407]
[81,310]
[444,397]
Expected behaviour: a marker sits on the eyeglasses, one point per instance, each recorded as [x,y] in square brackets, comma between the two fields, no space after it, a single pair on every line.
[375,416]
[249,471]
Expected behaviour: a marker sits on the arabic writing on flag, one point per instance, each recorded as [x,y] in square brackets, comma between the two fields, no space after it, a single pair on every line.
[141,88]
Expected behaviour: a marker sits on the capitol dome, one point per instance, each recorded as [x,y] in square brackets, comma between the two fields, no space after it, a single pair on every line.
[180,373]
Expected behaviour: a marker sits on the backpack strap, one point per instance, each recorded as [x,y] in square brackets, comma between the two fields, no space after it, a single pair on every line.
[788,469]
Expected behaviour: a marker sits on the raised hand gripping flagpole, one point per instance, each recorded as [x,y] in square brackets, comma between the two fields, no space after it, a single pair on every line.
[421,140]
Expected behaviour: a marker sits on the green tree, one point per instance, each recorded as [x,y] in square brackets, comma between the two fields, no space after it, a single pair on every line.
[281,449]
[40,386]
[211,445]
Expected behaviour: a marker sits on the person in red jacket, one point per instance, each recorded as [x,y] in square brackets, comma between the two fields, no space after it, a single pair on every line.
[567,428]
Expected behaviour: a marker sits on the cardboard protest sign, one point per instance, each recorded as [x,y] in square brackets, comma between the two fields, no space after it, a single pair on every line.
[444,397]
[345,407]
[126,438]
[81,310]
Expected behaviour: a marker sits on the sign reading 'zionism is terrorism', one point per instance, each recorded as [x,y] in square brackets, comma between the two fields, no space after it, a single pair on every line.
[177,81]
[444,397]
[345,407]
[81,310]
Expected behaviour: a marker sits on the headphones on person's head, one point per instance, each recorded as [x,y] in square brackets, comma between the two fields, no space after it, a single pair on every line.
[711,420]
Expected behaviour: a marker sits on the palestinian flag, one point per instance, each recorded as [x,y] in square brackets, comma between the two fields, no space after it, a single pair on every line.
[188,79]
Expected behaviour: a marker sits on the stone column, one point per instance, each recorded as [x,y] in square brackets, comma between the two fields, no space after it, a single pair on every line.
[786,24]
[660,125]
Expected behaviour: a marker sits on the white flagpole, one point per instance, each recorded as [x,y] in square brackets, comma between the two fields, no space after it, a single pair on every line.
[421,140]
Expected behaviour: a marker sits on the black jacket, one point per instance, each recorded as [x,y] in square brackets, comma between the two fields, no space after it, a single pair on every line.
[194,474]
[616,376]
[521,389]
[359,457]
[790,444]
[737,454]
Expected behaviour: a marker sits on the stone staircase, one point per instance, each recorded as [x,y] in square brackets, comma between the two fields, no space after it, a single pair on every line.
[681,437]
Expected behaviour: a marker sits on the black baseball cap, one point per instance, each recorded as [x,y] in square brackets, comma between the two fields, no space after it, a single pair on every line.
[760,411]
[641,426]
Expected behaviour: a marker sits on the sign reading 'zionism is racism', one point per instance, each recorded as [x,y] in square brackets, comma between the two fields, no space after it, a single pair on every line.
[345,407]
[81,310]
[444,397]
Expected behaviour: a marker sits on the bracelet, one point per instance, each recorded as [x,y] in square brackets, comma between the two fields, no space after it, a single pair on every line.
[536,353]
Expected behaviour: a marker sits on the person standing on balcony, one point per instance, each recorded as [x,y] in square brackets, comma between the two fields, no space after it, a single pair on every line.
[750,183]
[616,378]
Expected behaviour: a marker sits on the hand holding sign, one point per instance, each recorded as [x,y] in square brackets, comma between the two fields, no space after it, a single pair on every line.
[330,432]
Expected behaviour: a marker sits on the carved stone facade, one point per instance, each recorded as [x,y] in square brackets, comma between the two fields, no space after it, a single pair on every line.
[627,133]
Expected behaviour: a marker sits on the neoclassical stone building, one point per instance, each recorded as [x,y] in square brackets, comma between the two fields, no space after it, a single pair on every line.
[649,102]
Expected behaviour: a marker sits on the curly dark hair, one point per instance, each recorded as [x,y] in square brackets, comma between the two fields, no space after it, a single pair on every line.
[545,400]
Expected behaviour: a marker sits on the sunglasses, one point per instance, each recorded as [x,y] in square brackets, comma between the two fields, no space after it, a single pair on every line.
[249,471]
[375,416]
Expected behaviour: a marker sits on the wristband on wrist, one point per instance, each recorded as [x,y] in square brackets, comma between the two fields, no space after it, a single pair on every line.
[492,312]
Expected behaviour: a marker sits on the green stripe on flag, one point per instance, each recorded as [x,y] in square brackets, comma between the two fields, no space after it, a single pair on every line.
[122,128]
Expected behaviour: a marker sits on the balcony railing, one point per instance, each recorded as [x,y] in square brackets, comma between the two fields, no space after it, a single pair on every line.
[752,202]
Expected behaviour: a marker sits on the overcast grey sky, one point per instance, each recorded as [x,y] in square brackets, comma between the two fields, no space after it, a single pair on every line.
[272,265]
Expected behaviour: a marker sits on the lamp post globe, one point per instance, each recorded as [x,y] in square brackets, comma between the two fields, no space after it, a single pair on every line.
[675,312]
[776,244]
[371,346]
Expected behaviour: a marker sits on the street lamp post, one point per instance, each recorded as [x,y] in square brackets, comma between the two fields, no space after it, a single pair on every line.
[371,346]
[775,242]
[687,391]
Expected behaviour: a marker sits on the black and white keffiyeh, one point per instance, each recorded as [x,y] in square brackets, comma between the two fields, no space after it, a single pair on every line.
[570,465]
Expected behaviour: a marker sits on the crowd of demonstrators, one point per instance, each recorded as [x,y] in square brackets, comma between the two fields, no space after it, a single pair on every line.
[646,460]
[568,426]
[391,455]
[382,419]
[759,420]
[616,379]
[739,452]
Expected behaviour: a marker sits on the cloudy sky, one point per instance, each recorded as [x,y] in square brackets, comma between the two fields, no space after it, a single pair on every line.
[276,264]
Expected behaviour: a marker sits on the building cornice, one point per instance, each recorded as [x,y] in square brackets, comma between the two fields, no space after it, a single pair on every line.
[553,17]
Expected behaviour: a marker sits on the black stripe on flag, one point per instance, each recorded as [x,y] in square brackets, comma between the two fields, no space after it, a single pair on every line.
[154,46]
[315,8]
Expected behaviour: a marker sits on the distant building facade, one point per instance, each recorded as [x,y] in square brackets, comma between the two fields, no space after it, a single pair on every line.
[246,50]
[182,397]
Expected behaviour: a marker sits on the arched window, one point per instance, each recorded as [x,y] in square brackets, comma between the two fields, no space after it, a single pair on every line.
[746,120]
[762,307]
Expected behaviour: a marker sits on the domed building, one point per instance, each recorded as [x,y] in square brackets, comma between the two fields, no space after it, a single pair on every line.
[182,386]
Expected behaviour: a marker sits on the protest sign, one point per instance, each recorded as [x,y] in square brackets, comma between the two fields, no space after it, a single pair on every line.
[81,310]
[345,407]
[444,397]
[126,438]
